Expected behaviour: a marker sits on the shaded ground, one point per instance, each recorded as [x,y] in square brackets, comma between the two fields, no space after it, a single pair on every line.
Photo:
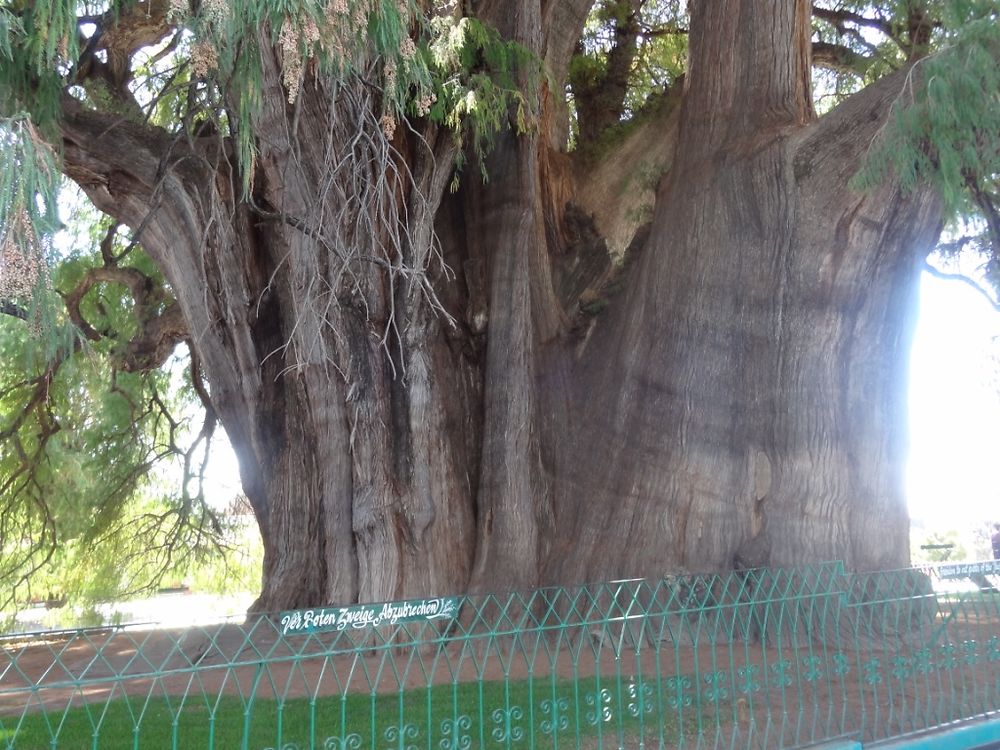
[790,687]
[776,660]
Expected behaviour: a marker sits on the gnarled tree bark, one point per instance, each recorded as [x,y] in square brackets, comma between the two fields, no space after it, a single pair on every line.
[730,396]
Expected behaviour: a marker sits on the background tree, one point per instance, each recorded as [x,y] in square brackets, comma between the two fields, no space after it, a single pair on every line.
[940,546]
[669,329]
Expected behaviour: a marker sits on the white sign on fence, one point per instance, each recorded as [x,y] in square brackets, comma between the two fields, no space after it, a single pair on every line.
[323,619]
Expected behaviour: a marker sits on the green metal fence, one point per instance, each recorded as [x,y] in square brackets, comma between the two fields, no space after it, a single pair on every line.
[754,659]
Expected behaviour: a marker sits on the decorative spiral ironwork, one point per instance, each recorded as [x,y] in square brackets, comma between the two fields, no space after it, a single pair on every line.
[841,666]
[970,653]
[902,667]
[873,675]
[455,733]
[640,699]
[601,702]
[506,729]
[812,668]
[779,672]
[922,662]
[946,656]
[748,682]
[679,691]
[557,711]
[398,736]
[716,689]
[348,742]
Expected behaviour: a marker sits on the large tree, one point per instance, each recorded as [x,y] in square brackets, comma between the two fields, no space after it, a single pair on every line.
[493,293]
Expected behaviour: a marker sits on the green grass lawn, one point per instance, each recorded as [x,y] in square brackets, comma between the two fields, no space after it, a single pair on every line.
[541,713]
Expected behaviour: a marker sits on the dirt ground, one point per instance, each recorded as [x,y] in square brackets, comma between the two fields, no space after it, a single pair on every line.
[881,682]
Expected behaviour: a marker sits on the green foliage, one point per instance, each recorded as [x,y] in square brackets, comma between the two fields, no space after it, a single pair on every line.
[937,546]
[455,72]
[947,117]
[80,443]
[661,53]
[945,127]
[29,183]
[474,77]
[10,26]
[239,570]
[29,179]
[38,42]
[83,511]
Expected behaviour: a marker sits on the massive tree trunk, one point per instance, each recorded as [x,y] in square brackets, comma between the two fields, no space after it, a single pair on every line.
[751,386]
[740,401]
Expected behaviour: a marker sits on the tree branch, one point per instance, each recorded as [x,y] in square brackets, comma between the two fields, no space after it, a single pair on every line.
[139,285]
[838,19]
[962,279]
[12,309]
[120,33]
[840,58]
[564,20]
[198,382]
[985,203]
[600,102]
[912,36]
[157,340]
[107,246]
[160,330]
[668,29]
[24,497]
[838,141]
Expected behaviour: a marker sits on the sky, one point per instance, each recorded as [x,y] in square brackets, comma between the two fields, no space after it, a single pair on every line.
[954,407]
